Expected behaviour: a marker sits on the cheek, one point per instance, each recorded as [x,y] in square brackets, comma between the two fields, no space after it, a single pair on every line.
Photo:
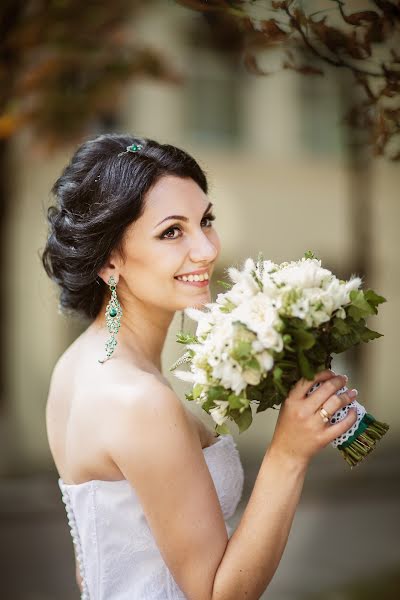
[216,241]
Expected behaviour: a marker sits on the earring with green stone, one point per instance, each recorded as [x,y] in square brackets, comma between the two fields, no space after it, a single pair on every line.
[113,319]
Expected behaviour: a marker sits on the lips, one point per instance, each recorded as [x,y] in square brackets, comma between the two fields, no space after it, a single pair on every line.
[198,272]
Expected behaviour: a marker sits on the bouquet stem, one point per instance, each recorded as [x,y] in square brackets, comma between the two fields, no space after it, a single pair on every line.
[359,445]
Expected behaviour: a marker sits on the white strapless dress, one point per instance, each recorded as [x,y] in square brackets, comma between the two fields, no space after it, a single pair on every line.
[116,551]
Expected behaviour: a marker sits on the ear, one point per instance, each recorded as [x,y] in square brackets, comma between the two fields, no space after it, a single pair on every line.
[111,267]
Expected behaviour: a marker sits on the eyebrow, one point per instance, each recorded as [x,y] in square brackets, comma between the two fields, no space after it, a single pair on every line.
[181,217]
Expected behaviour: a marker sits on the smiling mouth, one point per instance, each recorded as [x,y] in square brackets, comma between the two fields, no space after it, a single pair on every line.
[193,278]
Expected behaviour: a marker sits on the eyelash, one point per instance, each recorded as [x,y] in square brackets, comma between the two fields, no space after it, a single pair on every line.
[210,217]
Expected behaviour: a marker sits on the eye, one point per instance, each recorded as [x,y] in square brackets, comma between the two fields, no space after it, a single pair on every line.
[210,217]
[171,229]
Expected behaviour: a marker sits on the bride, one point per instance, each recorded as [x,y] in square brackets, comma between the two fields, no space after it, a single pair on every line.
[147,487]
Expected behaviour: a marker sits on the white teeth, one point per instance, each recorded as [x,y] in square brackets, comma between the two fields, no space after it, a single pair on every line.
[202,277]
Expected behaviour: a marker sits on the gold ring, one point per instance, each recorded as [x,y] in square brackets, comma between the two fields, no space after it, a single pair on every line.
[325,415]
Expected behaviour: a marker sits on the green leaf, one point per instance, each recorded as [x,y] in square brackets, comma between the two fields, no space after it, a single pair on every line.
[189,396]
[309,254]
[304,339]
[257,280]
[252,363]
[235,401]
[305,367]
[244,420]
[341,326]
[225,284]
[373,299]
[359,308]
[368,335]
[186,338]
[196,391]
[227,307]
[216,392]
[222,429]
[241,350]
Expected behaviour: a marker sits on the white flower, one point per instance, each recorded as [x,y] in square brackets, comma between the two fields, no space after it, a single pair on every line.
[266,360]
[195,313]
[249,265]
[230,375]
[219,412]
[245,288]
[185,376]
[271,339]
[341,313]
[306,273]
[252,376]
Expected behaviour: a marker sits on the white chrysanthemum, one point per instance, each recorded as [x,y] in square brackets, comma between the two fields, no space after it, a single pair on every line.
[271,290]
[219,412]
[230,375]
[245,288]
[306,273]
[258,315]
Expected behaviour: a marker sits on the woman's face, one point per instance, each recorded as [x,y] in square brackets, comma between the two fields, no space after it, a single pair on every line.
[174,237]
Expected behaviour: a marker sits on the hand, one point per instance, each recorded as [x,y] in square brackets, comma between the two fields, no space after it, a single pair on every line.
[300,431]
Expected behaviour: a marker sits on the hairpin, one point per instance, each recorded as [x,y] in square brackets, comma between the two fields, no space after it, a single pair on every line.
[132,148]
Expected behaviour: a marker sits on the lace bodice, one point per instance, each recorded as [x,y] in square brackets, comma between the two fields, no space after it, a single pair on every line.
[116,552]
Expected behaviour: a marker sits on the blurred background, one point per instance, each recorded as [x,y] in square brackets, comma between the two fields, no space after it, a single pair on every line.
[286,174]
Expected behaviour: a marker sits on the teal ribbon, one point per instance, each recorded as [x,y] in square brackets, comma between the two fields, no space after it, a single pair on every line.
[364,423]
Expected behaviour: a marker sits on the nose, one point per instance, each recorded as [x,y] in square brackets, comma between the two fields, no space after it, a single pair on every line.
[205,250]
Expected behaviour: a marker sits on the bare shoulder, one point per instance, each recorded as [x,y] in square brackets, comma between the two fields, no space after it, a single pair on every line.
[144,411]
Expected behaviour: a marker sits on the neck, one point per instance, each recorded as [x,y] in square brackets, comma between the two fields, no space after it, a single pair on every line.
[142,332]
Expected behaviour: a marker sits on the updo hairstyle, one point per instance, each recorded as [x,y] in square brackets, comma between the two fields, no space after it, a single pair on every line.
[97,196]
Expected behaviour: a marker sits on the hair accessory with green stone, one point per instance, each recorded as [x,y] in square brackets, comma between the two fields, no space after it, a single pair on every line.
[132,148]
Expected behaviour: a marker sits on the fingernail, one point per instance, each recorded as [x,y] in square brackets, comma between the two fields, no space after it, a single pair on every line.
[353,393]
[346,378]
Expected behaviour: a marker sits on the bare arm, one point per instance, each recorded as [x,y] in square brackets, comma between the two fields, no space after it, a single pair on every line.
[150,439]
[256,546]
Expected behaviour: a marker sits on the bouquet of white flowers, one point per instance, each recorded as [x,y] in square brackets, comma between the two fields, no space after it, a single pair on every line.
[275,324]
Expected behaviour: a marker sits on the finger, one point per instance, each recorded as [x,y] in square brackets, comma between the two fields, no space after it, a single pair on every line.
[336,430]
[325,390]
[335,401]
[304,385]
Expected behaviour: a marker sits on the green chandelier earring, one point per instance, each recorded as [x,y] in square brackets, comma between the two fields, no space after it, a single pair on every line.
[113,319]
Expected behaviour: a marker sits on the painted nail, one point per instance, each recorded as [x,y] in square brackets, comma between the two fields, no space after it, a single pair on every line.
[352,393]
